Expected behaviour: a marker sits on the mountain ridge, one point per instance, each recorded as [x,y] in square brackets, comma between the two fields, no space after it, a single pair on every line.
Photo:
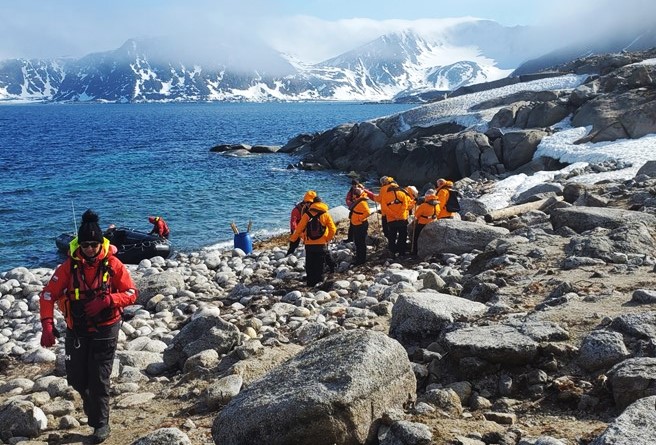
[148,70]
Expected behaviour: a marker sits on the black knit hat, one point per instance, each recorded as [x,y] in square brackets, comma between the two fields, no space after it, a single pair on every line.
[89,229]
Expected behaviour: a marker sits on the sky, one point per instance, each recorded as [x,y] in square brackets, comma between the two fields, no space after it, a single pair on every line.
[312,30]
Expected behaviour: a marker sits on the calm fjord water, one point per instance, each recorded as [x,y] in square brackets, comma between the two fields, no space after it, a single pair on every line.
[130,161]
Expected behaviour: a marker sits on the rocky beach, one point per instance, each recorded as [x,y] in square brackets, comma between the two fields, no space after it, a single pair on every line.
[527,323]
[536,328]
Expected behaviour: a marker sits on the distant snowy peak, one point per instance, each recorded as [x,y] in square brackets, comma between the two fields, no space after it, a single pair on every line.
[30,79]
[144,70]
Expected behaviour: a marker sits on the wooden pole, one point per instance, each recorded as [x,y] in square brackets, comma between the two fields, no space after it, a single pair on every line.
[542,204]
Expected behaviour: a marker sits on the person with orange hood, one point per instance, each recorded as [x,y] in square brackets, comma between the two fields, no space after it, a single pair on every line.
[316,229]
[358,213]
[443,188]
[160,228]
[395,206]
[90,288]
[426,213]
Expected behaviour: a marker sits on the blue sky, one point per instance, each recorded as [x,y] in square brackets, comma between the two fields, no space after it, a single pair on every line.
[313,30]
[506,12]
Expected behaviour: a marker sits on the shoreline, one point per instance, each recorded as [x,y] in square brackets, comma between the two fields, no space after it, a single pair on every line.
[497,337]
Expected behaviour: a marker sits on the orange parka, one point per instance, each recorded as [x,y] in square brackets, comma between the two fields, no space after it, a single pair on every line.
[395,202]
[325,219]
[443,197]
[359,210]
[76,280]
[428,211]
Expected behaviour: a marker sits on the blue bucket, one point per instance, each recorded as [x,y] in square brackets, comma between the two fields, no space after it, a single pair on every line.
[244,242]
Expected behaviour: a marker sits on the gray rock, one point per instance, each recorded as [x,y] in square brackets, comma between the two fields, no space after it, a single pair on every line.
[542,440]
[424,314]
[633,379]
[495,344]
[153,284]
[542,331]
[306,402]
[641,325]
[613,245]
[452,236]
[528,195]
[635,426]
[132,400]
[21,418]
[208,331]
[403,432]
[648,168]
[519,147]
[581,219]
[644,296]
[601,349]
[222,391]
[164,436]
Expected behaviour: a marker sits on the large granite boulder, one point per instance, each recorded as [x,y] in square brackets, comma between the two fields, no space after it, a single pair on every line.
[495,344]
[332,392]
[633,379]
[423,315]
[635,426]
[453,236]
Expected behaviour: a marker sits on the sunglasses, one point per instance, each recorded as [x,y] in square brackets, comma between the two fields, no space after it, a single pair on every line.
[87,244]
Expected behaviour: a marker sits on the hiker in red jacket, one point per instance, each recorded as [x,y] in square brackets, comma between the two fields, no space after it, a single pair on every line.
[90,288]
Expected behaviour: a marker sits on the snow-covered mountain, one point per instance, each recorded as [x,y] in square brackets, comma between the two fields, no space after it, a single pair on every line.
[395,64]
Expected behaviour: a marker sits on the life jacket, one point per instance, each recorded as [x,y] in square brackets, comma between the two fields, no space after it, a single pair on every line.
[314,230]
[428,211]
[355,217]
[72,306]
[398,203]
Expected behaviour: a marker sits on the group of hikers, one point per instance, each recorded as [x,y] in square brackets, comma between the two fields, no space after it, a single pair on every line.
[92,286]
[311,222]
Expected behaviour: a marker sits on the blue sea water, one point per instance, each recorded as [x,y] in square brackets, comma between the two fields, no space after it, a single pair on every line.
[130,161]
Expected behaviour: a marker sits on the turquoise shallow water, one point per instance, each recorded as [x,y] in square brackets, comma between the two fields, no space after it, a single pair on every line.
[130,161]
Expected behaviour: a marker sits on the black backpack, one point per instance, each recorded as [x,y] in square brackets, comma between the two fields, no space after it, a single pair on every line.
[452,203]
[314,229]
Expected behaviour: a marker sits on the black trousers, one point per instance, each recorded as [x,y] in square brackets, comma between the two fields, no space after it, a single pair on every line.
[415,236]
[360,239]
[398,236]
[315,257]
[89,360]
[385,226]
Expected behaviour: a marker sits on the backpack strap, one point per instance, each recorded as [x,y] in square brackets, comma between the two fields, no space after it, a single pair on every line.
[354,205]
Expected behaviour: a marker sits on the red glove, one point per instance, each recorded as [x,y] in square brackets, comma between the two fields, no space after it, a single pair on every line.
[48,332]
[97,305]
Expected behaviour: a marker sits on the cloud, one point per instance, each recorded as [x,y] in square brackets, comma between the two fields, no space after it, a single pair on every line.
[37,28]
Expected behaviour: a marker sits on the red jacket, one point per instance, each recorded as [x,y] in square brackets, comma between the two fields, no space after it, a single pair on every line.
[62,286]
[351,197]
[160,226]
[297,213]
